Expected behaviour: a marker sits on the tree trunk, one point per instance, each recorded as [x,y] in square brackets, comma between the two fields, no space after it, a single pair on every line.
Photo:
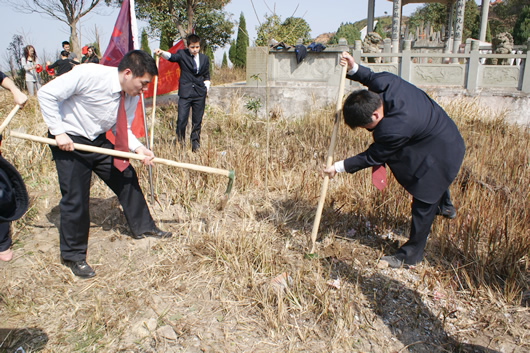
[74,40]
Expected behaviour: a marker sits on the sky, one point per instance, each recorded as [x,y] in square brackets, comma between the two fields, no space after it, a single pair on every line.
[46,34]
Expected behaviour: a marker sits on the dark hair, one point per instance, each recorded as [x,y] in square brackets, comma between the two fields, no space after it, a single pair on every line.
[65,43]
[139,62]
[93,50]
[26,52]
[193,38]
[359,107]
[65,53]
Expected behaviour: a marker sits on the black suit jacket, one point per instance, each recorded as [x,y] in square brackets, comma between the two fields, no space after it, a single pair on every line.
[416,138]
[191,84]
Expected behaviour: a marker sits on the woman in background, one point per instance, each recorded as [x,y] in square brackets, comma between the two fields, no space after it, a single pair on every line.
[29,63]
[90,56]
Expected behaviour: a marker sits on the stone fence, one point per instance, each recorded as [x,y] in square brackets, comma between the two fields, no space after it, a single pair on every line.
[293,88]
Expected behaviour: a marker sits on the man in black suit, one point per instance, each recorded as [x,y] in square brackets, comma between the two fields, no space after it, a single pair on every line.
[194,83]
[415,137]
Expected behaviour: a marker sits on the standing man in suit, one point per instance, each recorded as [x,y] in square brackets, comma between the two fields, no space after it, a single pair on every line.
[80,107]
[194,83]
[415,137]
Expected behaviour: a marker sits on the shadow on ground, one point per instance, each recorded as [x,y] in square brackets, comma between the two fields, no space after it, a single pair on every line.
[22,340]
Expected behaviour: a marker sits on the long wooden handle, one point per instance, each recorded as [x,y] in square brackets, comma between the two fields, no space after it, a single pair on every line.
[9,117]
[329,159]
[154,107]
[129,155]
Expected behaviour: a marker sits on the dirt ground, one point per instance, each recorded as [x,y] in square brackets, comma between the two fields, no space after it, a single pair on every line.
[177,295]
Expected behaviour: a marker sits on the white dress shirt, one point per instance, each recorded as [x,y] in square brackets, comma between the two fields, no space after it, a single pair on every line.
[84,102]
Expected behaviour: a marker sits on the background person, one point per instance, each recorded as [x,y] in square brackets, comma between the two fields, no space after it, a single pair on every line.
[415,137]
[194,83]
[13,194]
[63,65]
[79,107]
[71,55]
[30,63]
[90,56]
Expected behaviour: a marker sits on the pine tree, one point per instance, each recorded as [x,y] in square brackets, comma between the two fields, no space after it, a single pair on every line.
[209,53]
[241,43]
[144,44]
[224,64]
[232,51]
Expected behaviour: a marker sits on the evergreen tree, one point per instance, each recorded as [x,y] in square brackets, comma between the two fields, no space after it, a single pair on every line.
[165,41]
[209,53]
[232,51]
[240,59]
[145,42]
[224,64]
[521,30]
[348,31]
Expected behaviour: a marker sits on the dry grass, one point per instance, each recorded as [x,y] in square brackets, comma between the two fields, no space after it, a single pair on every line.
[210,286]
[222,75]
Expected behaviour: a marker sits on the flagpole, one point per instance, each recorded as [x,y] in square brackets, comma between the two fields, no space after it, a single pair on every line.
[148,147]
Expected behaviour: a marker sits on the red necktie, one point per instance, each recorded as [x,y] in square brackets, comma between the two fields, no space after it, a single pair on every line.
[121,142]
[379,176]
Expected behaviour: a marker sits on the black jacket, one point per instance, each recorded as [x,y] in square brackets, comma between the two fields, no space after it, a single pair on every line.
[63,66]
[191,84]
[416,138]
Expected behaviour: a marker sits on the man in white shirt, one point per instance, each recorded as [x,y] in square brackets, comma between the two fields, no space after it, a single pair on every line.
[79,107]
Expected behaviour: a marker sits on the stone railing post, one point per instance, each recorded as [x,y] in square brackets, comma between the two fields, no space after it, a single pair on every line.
[387,47]
[406,62]
[473,65]
[357,48]
[525,82]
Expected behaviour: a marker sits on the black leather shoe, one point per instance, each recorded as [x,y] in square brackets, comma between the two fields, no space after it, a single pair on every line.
[393,262]
[447,212]
[154,233]
[79,268]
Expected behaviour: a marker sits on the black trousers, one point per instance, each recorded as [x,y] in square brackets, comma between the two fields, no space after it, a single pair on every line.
[5,239]
[74,170]
[197,111]
[422,217]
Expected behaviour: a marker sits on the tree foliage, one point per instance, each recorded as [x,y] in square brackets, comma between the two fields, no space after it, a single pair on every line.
[521,29]
[232,51]
[16,51]
[240,59]
[348,31]
[289,31]
[178,18]
[224,63]
[144,44]
[501,18]
[67,11]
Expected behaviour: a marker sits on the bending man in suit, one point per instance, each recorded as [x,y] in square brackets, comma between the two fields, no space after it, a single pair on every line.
[194,83]
[415,137]
[80,107]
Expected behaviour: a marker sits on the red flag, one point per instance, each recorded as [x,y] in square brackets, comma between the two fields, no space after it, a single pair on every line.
[123,40]
[168,74]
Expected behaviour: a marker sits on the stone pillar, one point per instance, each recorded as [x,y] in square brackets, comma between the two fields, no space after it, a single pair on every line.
[396,27]
[449,28]
[473,67]
[406,62]
[370,17]
[525,82]
[484,19]
[357,48]
[459,26]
